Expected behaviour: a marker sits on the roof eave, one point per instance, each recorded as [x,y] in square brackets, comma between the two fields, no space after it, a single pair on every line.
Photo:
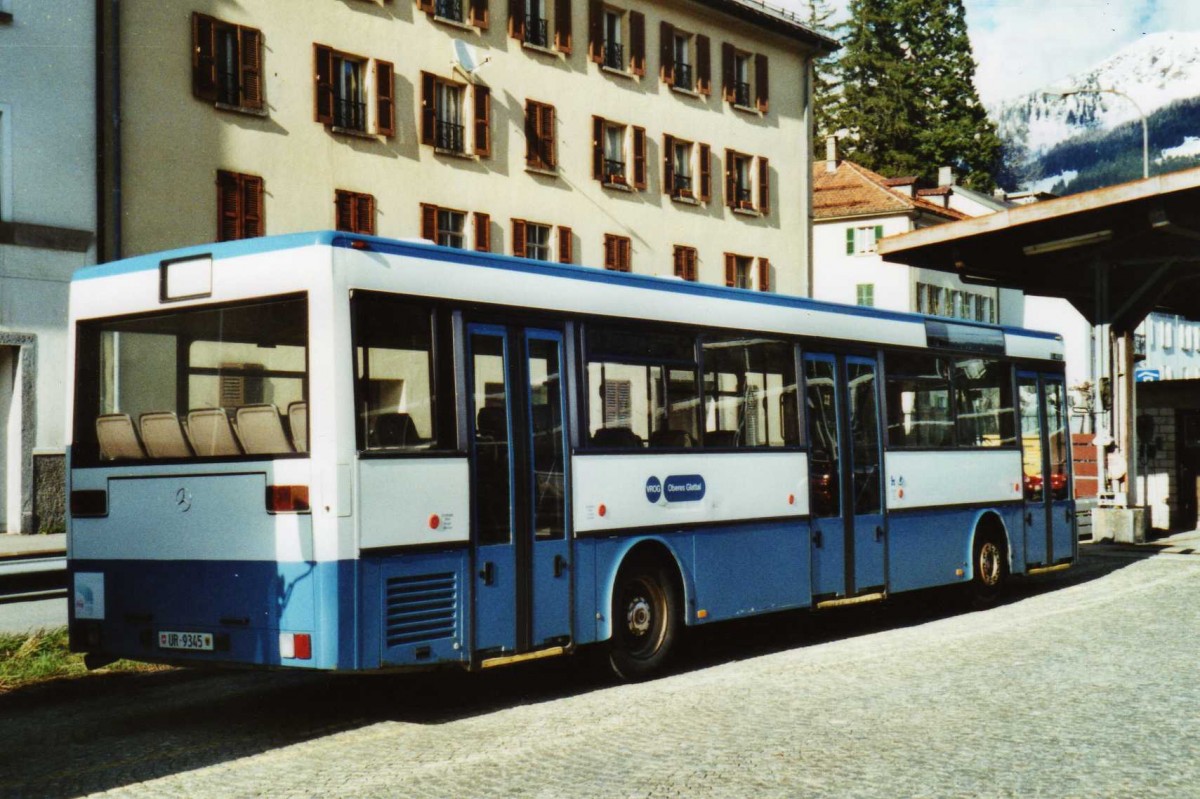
[775,20]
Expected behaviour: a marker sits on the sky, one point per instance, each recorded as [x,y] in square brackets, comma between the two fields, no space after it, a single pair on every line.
[1022,45]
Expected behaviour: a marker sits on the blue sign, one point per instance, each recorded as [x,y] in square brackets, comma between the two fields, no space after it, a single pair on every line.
[1146,375]
[684,488]
[653,490]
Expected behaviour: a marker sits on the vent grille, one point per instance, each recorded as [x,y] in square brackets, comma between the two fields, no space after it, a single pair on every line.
[421,608]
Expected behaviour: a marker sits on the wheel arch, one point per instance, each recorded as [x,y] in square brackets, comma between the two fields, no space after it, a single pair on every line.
[653,548]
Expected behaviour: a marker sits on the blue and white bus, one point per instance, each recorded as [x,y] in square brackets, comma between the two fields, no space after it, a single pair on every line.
[343,452]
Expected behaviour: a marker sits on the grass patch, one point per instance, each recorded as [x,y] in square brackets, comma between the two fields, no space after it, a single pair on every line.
[45,655]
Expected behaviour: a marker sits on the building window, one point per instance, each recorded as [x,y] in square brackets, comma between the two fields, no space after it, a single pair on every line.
[443,120]
[861,240]
[742,272]
[448,227]
[745,78]
[685,263]
[606,38]
[539,135]
[354,212]
[537,26]
[864,294]
[612,152]
[341,92]
[617,253]
[942,301]
[465,12]
[239,206]
[686,62]
[530,22]
[739,182]
[532,240]
[226,63]
[677,160]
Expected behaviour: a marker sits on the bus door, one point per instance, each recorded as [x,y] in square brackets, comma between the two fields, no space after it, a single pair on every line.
[518,464]
[845,495]
[1049,508]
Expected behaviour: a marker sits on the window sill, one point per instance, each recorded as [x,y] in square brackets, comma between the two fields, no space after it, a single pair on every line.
[746,212]
[353,132]
[620,73]
[241,109]
[685,200]
[547,171]
[455,154]
[746,109]
[687,92]
[609,184]
[455,23]
[546,51]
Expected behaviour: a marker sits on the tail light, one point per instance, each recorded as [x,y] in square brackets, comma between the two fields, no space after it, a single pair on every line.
[295,646]
[89,503]
[287,499]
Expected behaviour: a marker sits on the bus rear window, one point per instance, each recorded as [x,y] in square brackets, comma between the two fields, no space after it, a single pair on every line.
[212,382]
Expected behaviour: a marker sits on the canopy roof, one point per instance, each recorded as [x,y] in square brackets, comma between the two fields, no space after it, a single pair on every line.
[1116,253]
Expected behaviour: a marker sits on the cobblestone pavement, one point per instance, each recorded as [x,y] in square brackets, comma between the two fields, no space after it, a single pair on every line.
[1085,684]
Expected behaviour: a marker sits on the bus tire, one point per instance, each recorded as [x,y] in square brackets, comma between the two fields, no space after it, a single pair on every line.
[989,569]
[645,619]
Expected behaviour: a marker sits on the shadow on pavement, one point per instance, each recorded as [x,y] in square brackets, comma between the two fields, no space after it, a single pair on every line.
[75,737]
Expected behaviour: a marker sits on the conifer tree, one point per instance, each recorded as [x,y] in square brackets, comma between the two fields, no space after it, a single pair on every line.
[819,18]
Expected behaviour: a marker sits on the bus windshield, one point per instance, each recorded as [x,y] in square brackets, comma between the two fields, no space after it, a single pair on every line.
[213,382]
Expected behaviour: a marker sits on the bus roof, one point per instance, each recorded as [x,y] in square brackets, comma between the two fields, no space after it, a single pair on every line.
[427,250]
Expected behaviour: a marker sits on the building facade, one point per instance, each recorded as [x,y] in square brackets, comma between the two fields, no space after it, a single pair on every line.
[854,207]
[47,230]
[666,138]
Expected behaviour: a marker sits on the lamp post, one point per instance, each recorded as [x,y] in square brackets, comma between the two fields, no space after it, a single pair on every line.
[1141,114]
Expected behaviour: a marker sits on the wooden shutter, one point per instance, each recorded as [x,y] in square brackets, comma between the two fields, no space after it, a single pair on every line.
[669,165]
[204,58]
[703,65]
[678,258]
[385,105]
[730,180]
[252,206]
[532,133]
[690,264]
[598,148]
[637,42]
[426,5]
[764,274]
[666,49]
[516,19]
[728,73]
[596,31]
[343,210]
[518,238]
[228,207]
[364,211]
[730,269]
[705,173]
[548,141]
[761,81]
[250,44]
[483,232]
[639,158]
[849,241]
[878,233]
[483,120]
[610,251]
[479,14]
[764,186]
[428,109]
[566,245]
[323,78]
[562,26]
[429,222]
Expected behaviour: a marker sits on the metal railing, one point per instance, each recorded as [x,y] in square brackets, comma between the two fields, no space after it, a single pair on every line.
[349,114]
[536,31]
[683,76]
[682,184]
[614,171]
[744,197]
[614,55]
[449,136]
[741,93]
[449,9]
[228,88]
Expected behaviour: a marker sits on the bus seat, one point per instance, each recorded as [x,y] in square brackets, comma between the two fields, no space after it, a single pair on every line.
[297,414]
[616,438]
[118,438]
[261,430]
[492,421]
[721,438]
[163,435]
[211,433]
[395,430]
[666,438]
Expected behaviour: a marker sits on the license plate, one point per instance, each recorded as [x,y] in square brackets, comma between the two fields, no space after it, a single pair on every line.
[202,642]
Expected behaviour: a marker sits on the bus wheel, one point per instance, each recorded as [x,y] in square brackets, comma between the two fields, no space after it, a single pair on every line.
[991,570]
[645,617]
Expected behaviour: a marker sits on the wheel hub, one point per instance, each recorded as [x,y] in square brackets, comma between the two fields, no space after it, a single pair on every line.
[637,616]
[989,563]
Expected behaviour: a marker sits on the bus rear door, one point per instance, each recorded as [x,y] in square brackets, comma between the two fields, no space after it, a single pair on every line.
[518,453]
[1045,447]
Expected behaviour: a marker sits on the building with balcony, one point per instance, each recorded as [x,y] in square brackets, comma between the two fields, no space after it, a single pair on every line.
[665,138]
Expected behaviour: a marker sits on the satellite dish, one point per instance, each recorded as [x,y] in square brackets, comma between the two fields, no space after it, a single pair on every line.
[465,58]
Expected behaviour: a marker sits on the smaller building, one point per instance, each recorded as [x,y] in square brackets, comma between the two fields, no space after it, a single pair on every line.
[854,207]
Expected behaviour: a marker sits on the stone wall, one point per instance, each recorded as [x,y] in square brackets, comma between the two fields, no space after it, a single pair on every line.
[49,492]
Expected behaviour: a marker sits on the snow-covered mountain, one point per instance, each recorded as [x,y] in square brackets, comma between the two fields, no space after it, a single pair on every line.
[1155,71]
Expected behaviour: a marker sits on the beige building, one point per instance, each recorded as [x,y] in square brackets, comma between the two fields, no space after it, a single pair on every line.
[663,138]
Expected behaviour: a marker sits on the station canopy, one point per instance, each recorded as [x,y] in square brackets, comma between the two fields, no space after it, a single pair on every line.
[1115,253]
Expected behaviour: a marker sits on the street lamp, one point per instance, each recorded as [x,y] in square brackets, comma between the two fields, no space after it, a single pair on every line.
[1145,129]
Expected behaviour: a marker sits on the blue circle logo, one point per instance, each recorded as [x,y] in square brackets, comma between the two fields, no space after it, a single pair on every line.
[654,490]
